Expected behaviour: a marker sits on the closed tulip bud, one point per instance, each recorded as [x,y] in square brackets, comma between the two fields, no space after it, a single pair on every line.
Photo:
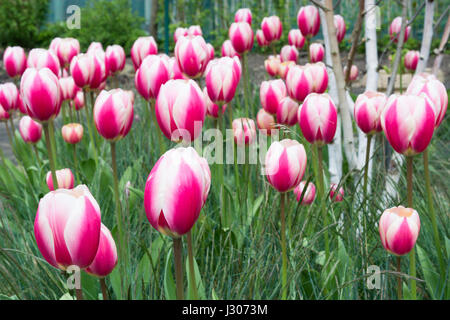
[285,164]
[174,70]
[289,53]
[367,112]
[262,42]
[228,50]
[54,44]
[142,47]
[78,101]
[66,50]
[299,82]
[308,196]
[212,109]
[319,75]
[399,228]
[317,117]
[186,179]
[14,61]
[221,80]
[284,67]
[65,179]
[106,257]
[287,112]
[99,71]
[272,28]
[192,55]
[67,227]
[180,110]
[82,69]
[353,72]
[41,93]
[41,58]
[241,36]
[395,28]
[115,59]
[9,95]
[411,60]
[211,52]
[179,32]
[243,15]
[296,38]
[94,46]
[195,31]
[271,93]
[434,89]
[113,113]
[336,195]
[4,115]
[340,26]
[408,122]
[30,130]
[72,133]
[153,72]
[265,122]
[271,64]
[68,88]
[316,52]
[308,20]
[244,131]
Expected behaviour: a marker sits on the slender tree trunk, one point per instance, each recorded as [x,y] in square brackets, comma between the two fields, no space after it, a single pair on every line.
[438,60]
[426,37]
[153,19]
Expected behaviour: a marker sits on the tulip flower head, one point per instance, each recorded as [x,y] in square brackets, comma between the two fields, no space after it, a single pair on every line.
[212,109]
[30,130]
[115,59]
[65,179]
[153,72]
[272,28]
[271,64]
[335,194]
[67,227]
[72,133]
[106,257]
[41,58]
[222,78]
[99,71]
[283,68]
[299,82]
[296,38]
[262,42]
[395,28]
[14,61]
[78,101]
[287,112]
[179,32]
[316,52]
[9,96]
[340,26]
[68,88]
[176,190]
[265,122]
[271,93]
[95,46]
[195,31]
[411,60]
[241,36]
[353,72]
[66,49]
[319,75]
[285,164]
[244,131]
[4,115]
[243,15]
[367,111]
[228,50]
[289,53]
[142,47]
[82,69]
[309,194]
[308,20]
[192,55]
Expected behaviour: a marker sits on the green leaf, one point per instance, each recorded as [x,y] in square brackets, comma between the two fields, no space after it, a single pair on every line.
[169,284]
[431,276]
[88,168]
[90,285]
[214,295]
[198,281]
[137,192]
[114,278]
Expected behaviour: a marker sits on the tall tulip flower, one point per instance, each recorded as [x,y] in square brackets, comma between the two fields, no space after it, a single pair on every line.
[289,53]
[153,72]
[192,55]
[336,195]
[316,52]
[353,72]
[4,115]
[241,36]
[308,195]
[411,60]
[265,122]
[72,133]
[228,49]
[222,79]
[65,179]
[340,26]
[99,71]
[262,42]
[296,38]
[41,58]
[14,61]
[299,82]
[308,20]
[319,75]
[395,28]
[81,69]
[9,96]
[195,31]
[115,59]
[271,93]
[142,47]
[212,109]
[243,15]
[367,111]
[68,88]
[30,130]
[283,68]
[271,64]
[66,49]
[244,131]
[179,32]
[287,112]
[272,28]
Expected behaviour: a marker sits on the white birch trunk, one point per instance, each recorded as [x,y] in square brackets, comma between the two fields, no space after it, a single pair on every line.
[427,36]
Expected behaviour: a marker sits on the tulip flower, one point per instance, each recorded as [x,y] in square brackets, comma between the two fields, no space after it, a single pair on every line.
[14,61]
[308,196]
[271,93]
[262,42]
[340,26]
[241,36]
[115,59]
[272,28]
[192,55]
[316,52]
[67,49]
[243,15]
[296,38]
[319,75]
[82,69]
[228,50]
[335,194]
[72,133]
[271,64]
[186,179]
[411,60]
[287,112]
[212,109]
[180,109]
[95,46]
[4,115]
[299,82]
[221,80]
[106,257]
[41,58]
[20,105]
[353,72]
[395,28]
[78,101]
[289,53]
[265,122]
[179,32]
[9,96]
[30,130]
[174,70]
[54,44]
[195,31]
[153,72]
[244,131]
[65,179]
[211,52]
[367,111]
[308,20]
[283,68]
[68,88]
[142,47]
[99,71]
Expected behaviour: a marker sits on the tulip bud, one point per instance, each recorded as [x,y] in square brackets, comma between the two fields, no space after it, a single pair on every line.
[319,75]
[308,20]
[308,196]
[353,72]
[317,118]
[179,32]
[41,93]
[99,71]
[115,59]
[192,55]
[271,64]
[67,227]
[411,60]
[14,61]
[340,26]
[221,80]
[67,49]
[9,96]
[142,47]
[287,112]
[106,257]
[285,164]
[153,72]
[289,53]
[228,50]
[408,122]
[54,44]
[336,195]
[41,58]
[272,28]
[265,122]
[367,111]
[65,179]
[395,28]
[241,36]
[4,115]
[316,52]
[72,133]
[68,88]
[244,131]
[243,15]
[180,109]
[211,52]
[212,109]
[95,46]
[299,82]
[30,130]
[271,93]
[262,42]
[296,38]
[186,179]
[195,31]
[78,101]
[399,228]
[284,67]
[82,69]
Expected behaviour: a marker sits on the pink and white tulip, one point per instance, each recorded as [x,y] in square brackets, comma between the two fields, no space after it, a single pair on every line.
[262,42]
[299,82]
[195,31]
[99,70]
[296,38]
[287,112]
[319,74]
[72,133]
[30,130]
[78,101]
[308,196]
[192,55]
[115,59]
[228,50]
[9,95]
[82,69]
[212,109]
[285,164]
[244,131]
[186,179]
[272,28]
[67,227]
[106,257]
[289,53]
[153,72]
[179,32]
[336,195]
[222,78]
[340,26]
[4,115]
[272,64]
[66,49]
[241,36]
[95,46]
[316,52]
[265,122]
[243,15]
[41,58]
[411,60]
[353,72]
[68,88]
[395,28]
[367,111]
[308,20]
[142,47]
[271,93]
[283,68]
[65,179]
[14,61]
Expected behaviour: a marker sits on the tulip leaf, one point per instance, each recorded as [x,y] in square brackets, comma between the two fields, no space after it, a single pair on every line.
[88,169]
[430,275]
[114,278]
[198,281]
[169,283]
[137,192]
[90,286]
